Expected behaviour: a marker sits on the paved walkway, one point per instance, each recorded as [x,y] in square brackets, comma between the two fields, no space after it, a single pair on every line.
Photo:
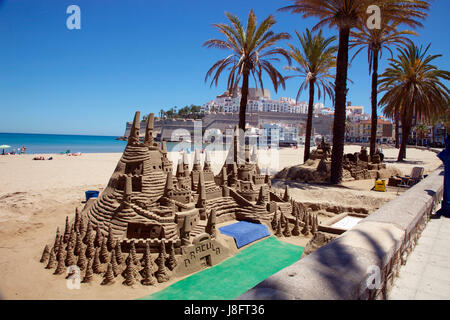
[426,274]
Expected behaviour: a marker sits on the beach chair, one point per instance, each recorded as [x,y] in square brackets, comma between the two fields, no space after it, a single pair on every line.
[415,176]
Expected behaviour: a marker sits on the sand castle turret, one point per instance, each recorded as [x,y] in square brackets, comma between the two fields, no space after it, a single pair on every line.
[110,243]
[60,268]
[305,230]
[185,231]
[133,138]
[148,139]
[287,231]
[70,257]
[90,249]
[98,237]
[133,253]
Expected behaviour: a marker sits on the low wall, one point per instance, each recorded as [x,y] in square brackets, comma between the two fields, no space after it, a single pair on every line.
[374,249]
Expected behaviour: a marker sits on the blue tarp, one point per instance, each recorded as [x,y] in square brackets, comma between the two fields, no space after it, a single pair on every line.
[245,232]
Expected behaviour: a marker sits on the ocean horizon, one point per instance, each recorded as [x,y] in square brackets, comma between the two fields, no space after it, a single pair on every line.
[36,143]
[42,143]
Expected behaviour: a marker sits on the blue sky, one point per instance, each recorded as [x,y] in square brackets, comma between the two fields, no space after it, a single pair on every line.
[137,55]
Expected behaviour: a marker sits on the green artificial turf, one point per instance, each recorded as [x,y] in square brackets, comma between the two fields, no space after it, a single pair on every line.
[235,275]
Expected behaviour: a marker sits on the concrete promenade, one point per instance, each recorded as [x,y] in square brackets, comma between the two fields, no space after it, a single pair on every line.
[426,274]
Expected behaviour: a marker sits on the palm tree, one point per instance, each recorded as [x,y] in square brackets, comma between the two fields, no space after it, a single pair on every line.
[375,40]
[412,88]
[345,15]
[315,59]
[252,53]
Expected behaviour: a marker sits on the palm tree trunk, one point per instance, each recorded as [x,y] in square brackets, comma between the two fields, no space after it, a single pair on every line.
[339,108]
[397,130]
[406,130]
[373,129]
[243,105]
[309,121]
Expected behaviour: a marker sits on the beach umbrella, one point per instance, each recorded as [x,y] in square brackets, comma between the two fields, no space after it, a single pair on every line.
[4,146]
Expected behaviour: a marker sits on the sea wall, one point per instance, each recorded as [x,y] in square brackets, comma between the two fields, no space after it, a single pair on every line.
[363,262]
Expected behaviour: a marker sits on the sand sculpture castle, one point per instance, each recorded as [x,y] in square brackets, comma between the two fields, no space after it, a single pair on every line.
[149,224]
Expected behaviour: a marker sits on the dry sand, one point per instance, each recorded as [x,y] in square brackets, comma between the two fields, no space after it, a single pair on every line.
[36,196]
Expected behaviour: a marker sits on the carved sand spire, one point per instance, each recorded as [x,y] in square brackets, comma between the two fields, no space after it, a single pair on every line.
[180,169]
[70,257]
[90,250]
[104,254]
[197,165]
[98,237]
[287,231]
[66,230]
[148,140]
[97,266]
[133,139]
[52,259]
[133,253]
[60,268]
[130,272]
[207,165]
[161,273]
[57,238]
[274,221]
[267,178]
[78,244]
[169,184]
[279,233]
[89,275]
[146,253]
[110,241]
[286,196]
[82,261]
[77,220]
[115,266]
[211,224]
[118,253]
[172,260]
[282,219]
[185,231]
[147,273]
[305,230]
[260,200]
[45,254]
[108,277]
[296,230]
[89,233]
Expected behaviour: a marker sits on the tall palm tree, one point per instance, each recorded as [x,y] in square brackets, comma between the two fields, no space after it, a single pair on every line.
[345,15]
[315,59]
[412,88]
[375,40]
[252,53]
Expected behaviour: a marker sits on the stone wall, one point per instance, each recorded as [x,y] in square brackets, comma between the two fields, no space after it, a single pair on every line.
[342,268]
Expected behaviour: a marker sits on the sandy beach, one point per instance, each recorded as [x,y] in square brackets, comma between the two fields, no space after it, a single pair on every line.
[36,196]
